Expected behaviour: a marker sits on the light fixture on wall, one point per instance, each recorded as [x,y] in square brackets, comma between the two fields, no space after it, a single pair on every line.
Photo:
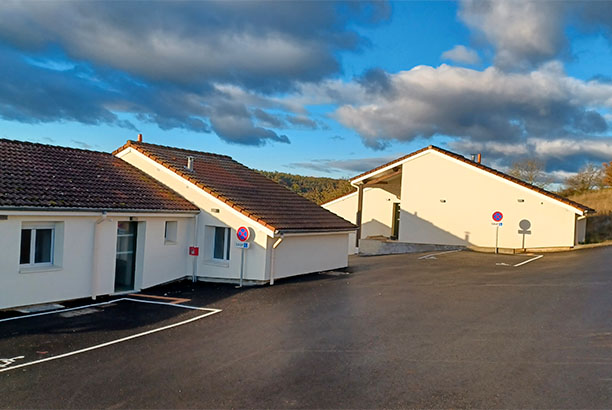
[521,200]
[214,210]
[443,201]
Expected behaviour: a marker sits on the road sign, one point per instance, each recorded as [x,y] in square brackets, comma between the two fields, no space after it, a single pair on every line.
[498,216]
[242,245]
[243,234]
[525,225]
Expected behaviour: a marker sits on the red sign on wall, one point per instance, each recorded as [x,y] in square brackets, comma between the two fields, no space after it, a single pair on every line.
[194,251]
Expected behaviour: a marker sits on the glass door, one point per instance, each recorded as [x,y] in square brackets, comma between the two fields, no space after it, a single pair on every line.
[126,256]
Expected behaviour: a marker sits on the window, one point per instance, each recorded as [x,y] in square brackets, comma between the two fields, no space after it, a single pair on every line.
[221,244]
[37,246]
[170,232]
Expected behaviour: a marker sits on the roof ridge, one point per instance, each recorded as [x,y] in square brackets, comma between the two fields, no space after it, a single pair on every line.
[486,168]
[41,144]
[135,143]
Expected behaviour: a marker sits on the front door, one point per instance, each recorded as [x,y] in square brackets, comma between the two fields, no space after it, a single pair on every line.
[396,221]
[125,267]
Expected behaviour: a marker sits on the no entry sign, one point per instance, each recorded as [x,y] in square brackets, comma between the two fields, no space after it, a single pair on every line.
[243,234]
[498,216]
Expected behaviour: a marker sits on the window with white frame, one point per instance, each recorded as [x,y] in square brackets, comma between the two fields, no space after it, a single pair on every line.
[37,243]
[170,232]
[221,244]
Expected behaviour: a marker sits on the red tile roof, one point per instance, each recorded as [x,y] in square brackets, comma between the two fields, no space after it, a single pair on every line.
[247,191]
[46,177]
[552,195]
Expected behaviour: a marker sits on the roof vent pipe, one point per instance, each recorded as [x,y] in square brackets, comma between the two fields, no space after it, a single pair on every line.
[189,163]
[479,158]
[139,137]
[473,157]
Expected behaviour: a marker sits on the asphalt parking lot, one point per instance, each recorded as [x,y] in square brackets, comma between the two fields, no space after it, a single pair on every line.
[422,330]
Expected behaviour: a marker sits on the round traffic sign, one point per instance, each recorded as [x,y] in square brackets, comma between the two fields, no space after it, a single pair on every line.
[498,216]
[243,234]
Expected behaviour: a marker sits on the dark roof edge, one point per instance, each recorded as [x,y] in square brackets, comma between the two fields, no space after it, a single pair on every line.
[100,210]
[490,170]
[306,231]
[53,146]
[132,143]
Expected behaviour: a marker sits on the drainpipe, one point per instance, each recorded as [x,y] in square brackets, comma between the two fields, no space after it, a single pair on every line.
[95,259]
[196,231]
[278,242]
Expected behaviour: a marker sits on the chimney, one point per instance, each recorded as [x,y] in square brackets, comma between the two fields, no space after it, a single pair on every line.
[189,163]
[473,157]
[479,158]
[139,137]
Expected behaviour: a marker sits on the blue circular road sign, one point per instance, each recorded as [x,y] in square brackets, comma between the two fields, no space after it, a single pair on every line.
[243,234]
[498,216]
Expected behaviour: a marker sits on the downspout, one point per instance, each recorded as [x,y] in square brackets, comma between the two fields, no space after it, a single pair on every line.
[196,231]
[273,257]
[359,214]
[95,259]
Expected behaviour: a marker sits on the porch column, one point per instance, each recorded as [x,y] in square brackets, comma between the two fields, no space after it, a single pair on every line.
[359,211]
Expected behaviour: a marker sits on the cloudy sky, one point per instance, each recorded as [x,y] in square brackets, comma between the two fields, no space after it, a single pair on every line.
[316,88]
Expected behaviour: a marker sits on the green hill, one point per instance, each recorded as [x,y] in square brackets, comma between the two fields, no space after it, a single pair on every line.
[317,189]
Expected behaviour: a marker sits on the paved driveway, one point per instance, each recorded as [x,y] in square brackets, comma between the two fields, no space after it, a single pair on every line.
[450,330]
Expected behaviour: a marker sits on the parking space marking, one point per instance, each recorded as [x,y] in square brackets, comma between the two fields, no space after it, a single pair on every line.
[433,255]
[8,362]
[529,260]
[209,312]
[51,312]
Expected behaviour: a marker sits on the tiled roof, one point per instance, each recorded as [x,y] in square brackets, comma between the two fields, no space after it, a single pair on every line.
[46,177]
[490,170]
[261,199]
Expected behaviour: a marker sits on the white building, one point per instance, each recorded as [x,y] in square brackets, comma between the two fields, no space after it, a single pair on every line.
[436,197]
[77,223]
[290,234]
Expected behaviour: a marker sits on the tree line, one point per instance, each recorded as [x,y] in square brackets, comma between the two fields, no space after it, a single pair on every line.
[317,189]
[589,178]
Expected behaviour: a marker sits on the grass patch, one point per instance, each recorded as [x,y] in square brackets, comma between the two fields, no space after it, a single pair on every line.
[599,225]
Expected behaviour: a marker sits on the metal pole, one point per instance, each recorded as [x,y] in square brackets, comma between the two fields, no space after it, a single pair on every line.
[359,214]
[496,238]
[241,265]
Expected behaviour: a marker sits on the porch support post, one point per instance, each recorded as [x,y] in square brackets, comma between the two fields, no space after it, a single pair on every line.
[359,213]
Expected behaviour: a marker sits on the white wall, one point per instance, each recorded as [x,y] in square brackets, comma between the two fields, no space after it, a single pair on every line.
[73,275]
[377,213]
[297,255]
[471,196]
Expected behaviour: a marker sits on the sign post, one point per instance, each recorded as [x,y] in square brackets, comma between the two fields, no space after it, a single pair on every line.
[497,217]
[243,234]
[524,225]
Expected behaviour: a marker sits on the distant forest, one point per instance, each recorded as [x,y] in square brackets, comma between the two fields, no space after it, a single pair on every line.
[319,190]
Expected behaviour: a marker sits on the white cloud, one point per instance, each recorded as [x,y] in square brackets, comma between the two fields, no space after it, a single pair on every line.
[522,31]
[488,105]
[461,54]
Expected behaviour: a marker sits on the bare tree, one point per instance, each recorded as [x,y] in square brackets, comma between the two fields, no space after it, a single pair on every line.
[588,178]
[607,174]
[530,170]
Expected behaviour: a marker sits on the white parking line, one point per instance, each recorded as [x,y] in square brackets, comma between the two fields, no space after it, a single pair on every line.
[432,255]
[209,312]
[529,260]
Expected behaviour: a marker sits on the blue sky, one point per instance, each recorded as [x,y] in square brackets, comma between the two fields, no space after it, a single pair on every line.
[314,88]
